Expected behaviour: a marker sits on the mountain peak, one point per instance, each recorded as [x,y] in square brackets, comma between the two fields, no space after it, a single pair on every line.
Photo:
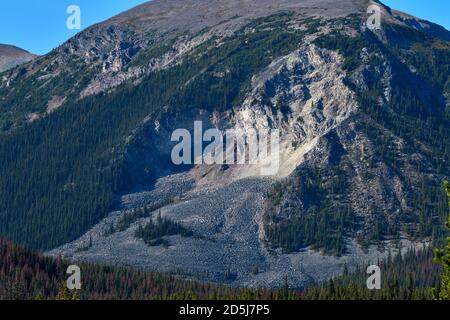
[11,56]
[194,15]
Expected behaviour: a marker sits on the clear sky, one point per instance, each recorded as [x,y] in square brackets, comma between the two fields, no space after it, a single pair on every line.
[437,11]
[40,25]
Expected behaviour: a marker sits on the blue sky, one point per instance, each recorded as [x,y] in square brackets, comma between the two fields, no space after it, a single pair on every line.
[437,11]
[40,25]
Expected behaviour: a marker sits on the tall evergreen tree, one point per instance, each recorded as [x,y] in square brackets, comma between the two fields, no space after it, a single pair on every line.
[443,257]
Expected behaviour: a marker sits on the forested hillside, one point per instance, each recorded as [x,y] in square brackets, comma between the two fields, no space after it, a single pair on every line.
[86,169]
[61,174]
[408,277]
[28,275]
[418,117]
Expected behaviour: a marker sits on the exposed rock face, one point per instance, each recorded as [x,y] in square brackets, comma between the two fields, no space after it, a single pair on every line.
[336,108]
[11,57]
[106,55]
[225,208]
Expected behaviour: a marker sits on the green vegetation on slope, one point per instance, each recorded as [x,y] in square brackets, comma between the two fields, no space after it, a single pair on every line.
[31,91]
[443,257]
[26,275]
[60,174]
[154,231]
[327,219]
[130,217]
[416,113]
[407,277]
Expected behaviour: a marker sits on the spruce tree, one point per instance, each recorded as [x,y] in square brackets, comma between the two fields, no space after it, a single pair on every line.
[443,257]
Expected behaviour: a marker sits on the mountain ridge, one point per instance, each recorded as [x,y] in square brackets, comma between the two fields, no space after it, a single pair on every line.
[12,56]
[363,117]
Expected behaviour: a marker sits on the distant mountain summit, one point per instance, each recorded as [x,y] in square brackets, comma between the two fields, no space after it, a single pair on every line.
[11,56]
[195,15]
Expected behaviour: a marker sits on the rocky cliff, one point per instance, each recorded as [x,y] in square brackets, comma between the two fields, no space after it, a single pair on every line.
[364,146]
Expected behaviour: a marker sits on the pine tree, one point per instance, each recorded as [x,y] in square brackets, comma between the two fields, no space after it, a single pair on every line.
[284,290]
[443,257]
[63,292]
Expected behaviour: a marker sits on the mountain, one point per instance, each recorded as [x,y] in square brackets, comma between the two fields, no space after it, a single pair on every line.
[365,140]
[11,57]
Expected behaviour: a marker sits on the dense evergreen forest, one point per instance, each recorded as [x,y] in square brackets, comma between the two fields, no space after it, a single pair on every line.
[154,231]
[442,256]
[29,275]
[408,277]
[328,220]
[419,120]
[60,174]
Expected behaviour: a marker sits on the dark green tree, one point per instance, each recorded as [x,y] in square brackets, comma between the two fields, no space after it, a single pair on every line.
[443,257]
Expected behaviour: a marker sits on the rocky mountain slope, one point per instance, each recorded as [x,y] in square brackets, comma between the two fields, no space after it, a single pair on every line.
[11,57]
[365,141]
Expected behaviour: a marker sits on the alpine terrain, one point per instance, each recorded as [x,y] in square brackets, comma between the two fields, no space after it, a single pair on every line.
[364,116]
[11,56]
